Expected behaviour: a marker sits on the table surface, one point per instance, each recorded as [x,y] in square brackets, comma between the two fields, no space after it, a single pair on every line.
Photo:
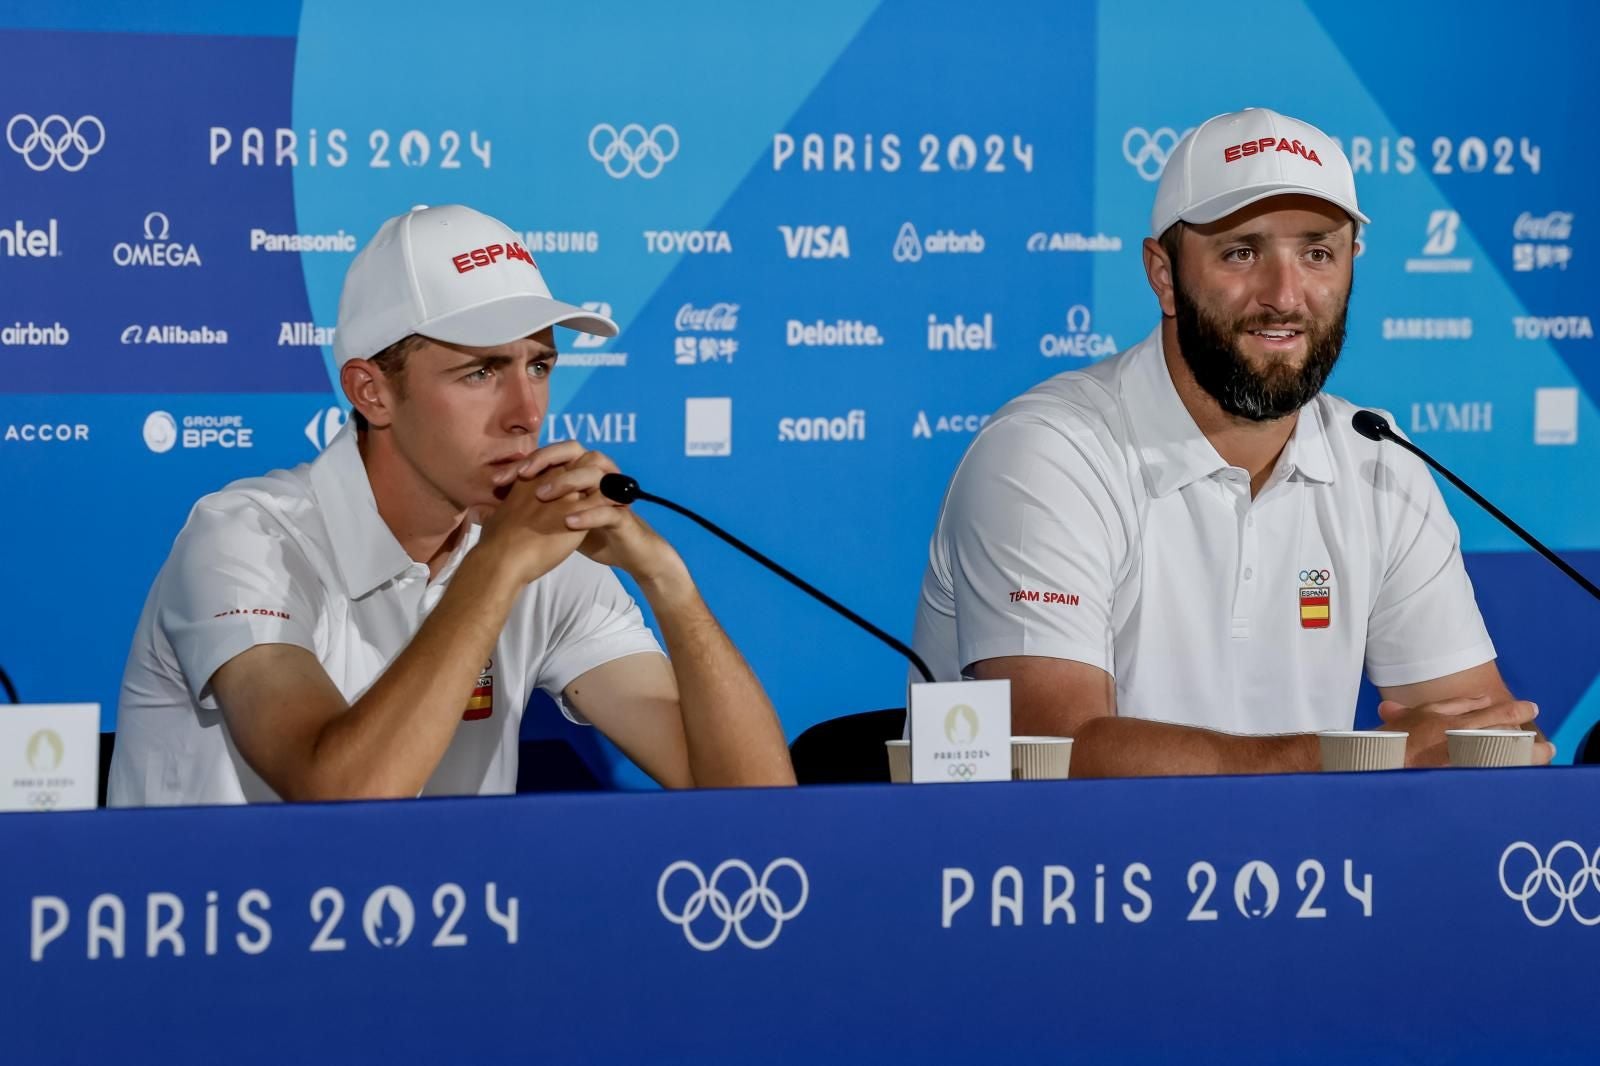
[1409,916]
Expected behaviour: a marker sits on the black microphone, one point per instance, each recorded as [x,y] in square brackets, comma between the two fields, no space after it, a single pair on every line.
[1374,426]
[624,490]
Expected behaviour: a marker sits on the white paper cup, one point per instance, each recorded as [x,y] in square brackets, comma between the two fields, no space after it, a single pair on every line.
[1040,758]
[1355,749]
[899,760]
[1490,747]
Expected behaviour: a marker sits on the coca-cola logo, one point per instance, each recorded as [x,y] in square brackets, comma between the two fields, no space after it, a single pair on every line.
[721,317]
[1556,226]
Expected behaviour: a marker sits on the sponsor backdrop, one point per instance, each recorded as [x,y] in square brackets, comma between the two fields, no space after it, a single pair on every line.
[834,245]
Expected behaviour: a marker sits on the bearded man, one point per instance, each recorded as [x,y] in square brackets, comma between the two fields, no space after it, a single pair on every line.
[1184,556]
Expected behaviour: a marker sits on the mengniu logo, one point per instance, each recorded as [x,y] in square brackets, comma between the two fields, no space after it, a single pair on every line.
[1316,599]
[45,751]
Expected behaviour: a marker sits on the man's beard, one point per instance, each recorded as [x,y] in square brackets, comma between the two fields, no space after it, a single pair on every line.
[1211,348]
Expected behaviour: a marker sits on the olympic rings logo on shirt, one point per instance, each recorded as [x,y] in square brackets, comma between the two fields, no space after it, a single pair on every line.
[61,142]
[633,149]
[1150,158]
[1316,577]
[1544,882]
[731,912]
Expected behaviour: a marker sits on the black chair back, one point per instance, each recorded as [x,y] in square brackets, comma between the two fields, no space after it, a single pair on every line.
[847,750]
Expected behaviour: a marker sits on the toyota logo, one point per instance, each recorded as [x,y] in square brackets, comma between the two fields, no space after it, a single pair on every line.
[1147,152]
[633,149]
[53,141]
[751,893]
[1555,884]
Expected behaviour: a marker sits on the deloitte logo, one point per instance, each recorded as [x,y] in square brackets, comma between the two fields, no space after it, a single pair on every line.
[909,247]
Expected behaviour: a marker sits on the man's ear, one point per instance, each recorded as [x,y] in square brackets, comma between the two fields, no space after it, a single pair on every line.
[369,391]
[1158,271]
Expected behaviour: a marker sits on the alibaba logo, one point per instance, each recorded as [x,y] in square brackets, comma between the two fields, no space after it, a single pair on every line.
[961,724]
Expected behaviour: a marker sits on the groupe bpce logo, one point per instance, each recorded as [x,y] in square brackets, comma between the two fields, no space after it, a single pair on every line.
[708,892]
[55,141]
[1544,884]
[1147,151]
[633,149]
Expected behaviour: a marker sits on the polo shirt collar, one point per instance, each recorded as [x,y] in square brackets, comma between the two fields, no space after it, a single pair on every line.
[1174,451]
[1307,454]
[364,548]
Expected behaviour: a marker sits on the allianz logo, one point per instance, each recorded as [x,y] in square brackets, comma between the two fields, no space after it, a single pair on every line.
[304,335]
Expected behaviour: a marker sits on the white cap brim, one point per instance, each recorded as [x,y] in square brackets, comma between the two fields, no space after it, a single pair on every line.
[1237,199]
[511,318]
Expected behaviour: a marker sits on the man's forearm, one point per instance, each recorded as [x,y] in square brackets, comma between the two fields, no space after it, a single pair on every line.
[730,728]
[1110,746]
[391,739]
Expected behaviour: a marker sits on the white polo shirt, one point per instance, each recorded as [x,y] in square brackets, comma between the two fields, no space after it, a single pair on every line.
[1091,520]
[302,557]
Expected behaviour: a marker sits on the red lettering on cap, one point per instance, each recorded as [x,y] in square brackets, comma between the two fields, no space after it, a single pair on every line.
[1235,152]
[491,254]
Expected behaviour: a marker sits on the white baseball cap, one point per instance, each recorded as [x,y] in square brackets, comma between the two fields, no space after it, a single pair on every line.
[1231,161]
[452,274]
